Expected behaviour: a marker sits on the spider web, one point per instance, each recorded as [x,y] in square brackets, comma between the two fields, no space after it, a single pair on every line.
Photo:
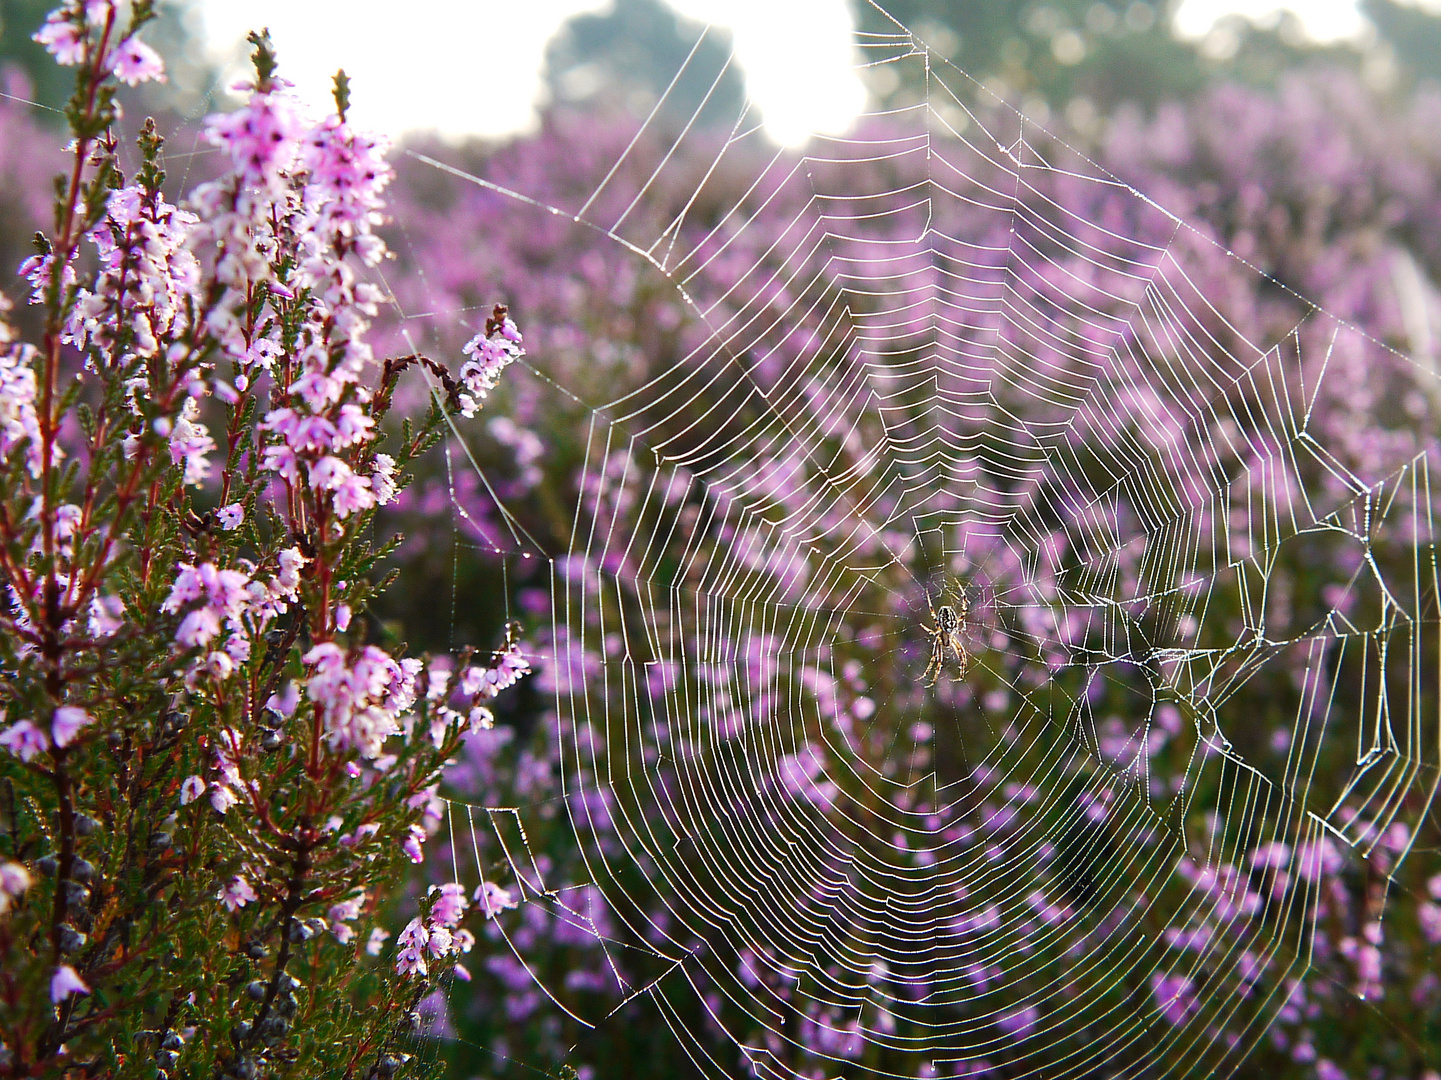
[947,353]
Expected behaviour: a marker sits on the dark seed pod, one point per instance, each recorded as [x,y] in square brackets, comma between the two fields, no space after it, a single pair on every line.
[255,990]
[166,1059]
[411,1023]
[71,939]
[285,1005]
[173,1040]
[256,951]
[85,825]
[271,740]
[272,1029]
[82,870]
[244,1069]
[161,1074]
[75,893]
[289,982]
[300,932]
[159,841]
[387,1066]
[240,1032]
[47,865]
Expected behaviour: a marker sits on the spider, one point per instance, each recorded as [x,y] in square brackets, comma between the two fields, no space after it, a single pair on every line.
[946,639]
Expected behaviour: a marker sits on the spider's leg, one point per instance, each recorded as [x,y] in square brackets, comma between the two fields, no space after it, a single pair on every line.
[933,669]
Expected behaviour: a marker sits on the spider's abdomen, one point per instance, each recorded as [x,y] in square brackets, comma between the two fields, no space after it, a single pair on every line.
[949,621]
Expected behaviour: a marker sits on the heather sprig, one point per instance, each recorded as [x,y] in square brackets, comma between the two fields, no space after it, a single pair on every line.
[212,773]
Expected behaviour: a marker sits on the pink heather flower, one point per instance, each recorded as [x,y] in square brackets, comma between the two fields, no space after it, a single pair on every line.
[493,899]
[1271,855]
[135,62]
[464,941]
[1319,858]
[350,492]
[14,880]
[61,38]
[412,941]
[261,139]
[1429,915]
[376,941]
[1173,997]
[191,789]
[489,357]
[1327,1070]
[190,442]
[19,422]
[107,616]
[283,702]
[222,798]
[237,894]
[198,628]
[439,943]
[64,982]
[67,722]
[450,908]
[1020,1023]
[413,843]
[342,617]
[382,480]
[24,740]
[462,973]
[230,516]
[341,914]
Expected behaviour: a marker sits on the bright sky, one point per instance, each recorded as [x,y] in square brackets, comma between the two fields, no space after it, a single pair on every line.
[473,66]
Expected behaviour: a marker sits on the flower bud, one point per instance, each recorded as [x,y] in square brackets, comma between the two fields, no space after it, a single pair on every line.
[256,990]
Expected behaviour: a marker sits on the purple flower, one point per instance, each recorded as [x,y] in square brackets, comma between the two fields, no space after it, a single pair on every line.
[135,62]
[1429,916]
[412,941]
[191,789]
[450,907]
[230,516]
[237,894]
[65,982]
[107,616]
[376,941]
[493,899]
[62,38]
[24,740]
[413,843]
[14,880]
[1173,997]
[341,914]
[67,722]
[1020,1023]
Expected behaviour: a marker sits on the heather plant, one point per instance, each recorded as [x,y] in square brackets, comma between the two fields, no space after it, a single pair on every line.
[216,766]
